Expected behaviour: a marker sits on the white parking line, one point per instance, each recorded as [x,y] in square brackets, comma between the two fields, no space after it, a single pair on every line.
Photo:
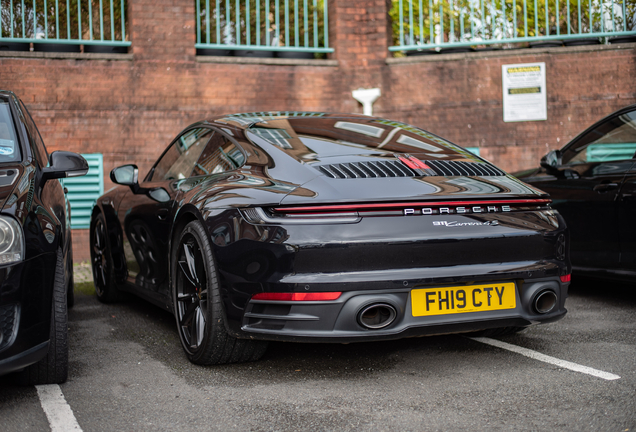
[58,412]
[546,359]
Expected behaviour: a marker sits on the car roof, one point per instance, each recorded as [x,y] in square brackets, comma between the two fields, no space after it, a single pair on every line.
[7,93]
[247,119]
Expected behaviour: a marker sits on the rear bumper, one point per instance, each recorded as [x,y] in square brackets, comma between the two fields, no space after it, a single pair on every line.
[381,259]
[338,320]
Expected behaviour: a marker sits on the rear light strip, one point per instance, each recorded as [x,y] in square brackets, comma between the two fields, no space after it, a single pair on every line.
[566,278]
[316,296]
[257,215]
[405,205]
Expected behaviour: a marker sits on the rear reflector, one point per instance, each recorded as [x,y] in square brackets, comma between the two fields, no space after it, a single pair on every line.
[318,296]
[566,278]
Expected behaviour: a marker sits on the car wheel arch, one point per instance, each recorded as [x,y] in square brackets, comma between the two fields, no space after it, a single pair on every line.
[186,215]
[183,217]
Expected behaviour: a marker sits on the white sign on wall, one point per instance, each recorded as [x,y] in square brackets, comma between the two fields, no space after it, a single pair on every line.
[524,93]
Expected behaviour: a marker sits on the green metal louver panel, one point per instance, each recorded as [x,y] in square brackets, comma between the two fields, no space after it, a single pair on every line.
[604,152]
[84,191]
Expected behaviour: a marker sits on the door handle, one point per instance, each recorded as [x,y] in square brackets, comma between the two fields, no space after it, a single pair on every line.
[162,214]
[605,187]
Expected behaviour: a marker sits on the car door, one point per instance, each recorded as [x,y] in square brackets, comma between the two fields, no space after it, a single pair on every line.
[627,221]
[586,191]
[51,203]
[587,201]
[146,216]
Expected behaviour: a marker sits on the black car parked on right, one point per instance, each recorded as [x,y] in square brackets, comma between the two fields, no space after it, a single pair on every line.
[592,182]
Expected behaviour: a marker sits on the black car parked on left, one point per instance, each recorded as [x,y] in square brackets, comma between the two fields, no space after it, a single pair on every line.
[36,263]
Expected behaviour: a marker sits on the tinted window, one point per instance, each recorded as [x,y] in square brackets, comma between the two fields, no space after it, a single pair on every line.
[9,148]
[178,161]
[37,145]
[311,138]
[220,155]
[611,141]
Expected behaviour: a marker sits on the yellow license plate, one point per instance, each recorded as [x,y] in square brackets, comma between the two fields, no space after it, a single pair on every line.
[463,299]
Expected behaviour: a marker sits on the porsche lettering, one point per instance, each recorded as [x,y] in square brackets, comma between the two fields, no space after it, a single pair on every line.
[456,210]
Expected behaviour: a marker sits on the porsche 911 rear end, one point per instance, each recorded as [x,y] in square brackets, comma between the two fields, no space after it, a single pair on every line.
[400,234]
[381,271]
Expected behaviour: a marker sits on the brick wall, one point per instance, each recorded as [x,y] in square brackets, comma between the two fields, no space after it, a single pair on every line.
[459,96]
[129,107]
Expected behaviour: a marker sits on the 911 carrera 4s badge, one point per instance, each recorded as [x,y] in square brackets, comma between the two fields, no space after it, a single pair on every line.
[460,224]
[463,299]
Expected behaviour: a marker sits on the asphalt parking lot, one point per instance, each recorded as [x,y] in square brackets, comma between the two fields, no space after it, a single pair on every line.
[128,373]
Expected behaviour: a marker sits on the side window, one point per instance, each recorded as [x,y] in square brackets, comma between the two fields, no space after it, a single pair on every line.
[179,160]
[220,155]
[9,148]
[37,145]
[611,141]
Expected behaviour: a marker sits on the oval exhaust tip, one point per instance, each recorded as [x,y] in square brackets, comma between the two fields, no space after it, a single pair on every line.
[545,301]
[377,316]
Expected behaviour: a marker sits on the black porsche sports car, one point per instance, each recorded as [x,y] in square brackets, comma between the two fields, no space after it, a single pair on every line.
[317,227]
[592,182]
[36,263]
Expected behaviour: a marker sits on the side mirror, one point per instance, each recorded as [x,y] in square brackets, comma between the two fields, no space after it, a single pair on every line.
[551,160]
[126,175]
[64,164]
[552,163]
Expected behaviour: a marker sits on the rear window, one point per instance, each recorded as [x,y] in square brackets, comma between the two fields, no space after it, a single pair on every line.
[9,148]
[312,138]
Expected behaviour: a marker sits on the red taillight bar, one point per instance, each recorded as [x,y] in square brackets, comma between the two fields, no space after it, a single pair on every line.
[389,206]
[566,278]
[317,296]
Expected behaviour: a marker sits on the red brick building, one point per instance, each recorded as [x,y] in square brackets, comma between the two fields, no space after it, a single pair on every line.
[129,106]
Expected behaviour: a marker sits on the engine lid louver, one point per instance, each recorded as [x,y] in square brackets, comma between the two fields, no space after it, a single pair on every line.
[457,168]
[368,169]
[396,168]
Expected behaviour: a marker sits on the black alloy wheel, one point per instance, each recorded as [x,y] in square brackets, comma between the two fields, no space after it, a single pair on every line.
[197,304]
[143,245]
[101,261]
[192,293]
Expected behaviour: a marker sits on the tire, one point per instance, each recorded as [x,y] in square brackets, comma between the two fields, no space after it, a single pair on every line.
[53,369]
[70,288]
[197,304]
[102,262]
